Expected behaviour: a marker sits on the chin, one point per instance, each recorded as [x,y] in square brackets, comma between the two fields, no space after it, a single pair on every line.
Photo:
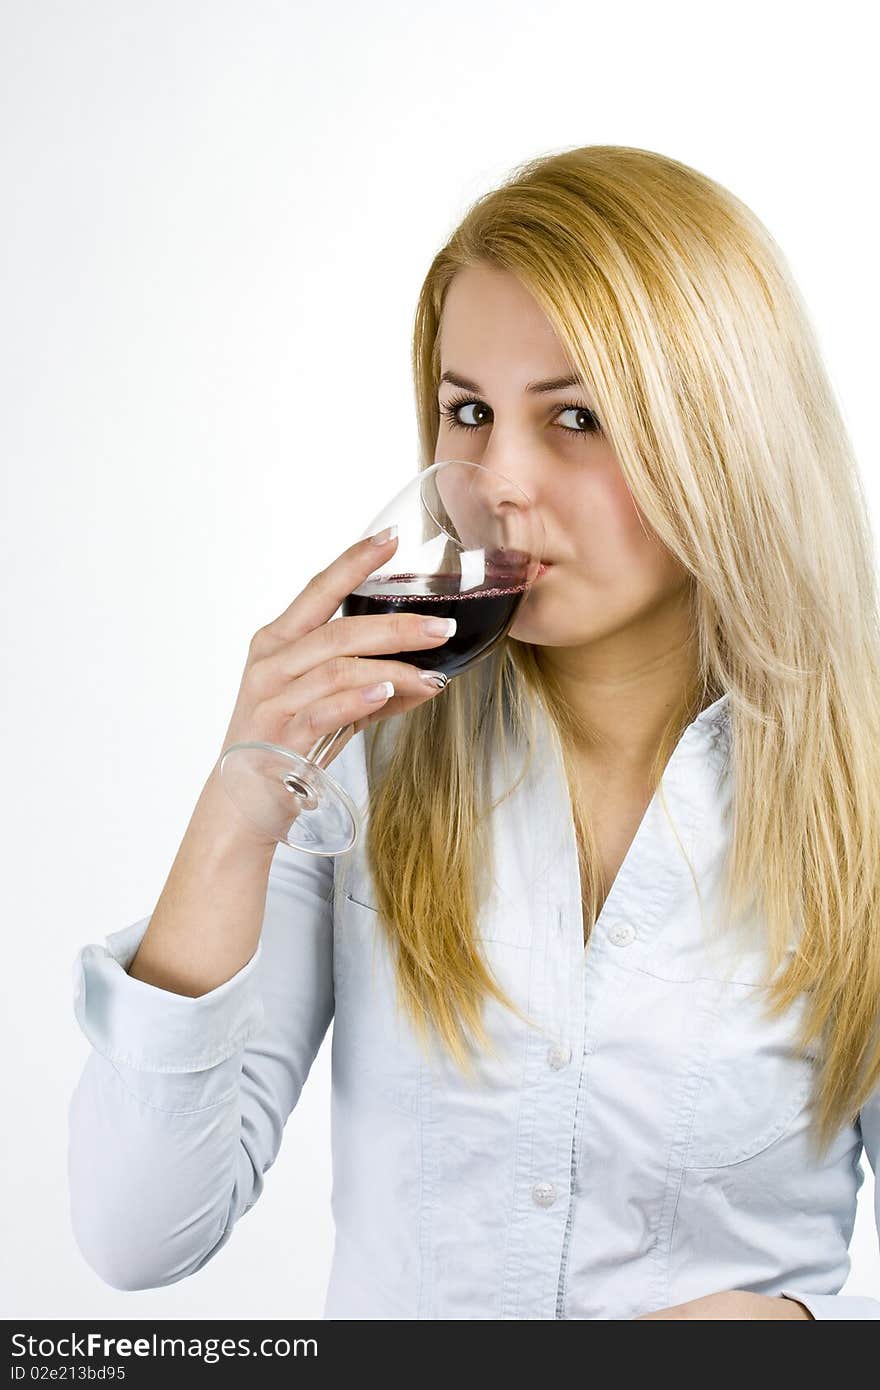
[540,633]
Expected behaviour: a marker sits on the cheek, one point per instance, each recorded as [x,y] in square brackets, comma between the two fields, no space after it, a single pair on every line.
[616,547]
[604,529]
[618,569]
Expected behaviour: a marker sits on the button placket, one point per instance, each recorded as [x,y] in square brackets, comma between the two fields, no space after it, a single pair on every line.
[558,1056]
[544,1194]
[621,933]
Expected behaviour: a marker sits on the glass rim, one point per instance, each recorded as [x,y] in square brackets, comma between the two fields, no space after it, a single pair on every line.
[469,463]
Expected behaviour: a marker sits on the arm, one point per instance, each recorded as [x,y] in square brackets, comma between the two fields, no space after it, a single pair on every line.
[180,1108]
[204,1019]
[836,1305]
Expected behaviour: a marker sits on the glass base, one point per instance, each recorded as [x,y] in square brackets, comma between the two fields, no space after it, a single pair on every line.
[289,798]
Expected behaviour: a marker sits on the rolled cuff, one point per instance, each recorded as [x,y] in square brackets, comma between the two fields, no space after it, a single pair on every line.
[138,1025]
[835,1305]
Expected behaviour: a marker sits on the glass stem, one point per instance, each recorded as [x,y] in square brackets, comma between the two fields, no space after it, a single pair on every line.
[328,745]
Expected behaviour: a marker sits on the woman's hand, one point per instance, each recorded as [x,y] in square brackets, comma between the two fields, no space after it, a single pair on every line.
[307,676]
[736,1303]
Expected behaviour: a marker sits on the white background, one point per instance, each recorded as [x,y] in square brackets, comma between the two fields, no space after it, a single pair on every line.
[216,218]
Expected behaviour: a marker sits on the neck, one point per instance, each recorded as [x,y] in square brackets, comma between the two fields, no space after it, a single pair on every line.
[625,685]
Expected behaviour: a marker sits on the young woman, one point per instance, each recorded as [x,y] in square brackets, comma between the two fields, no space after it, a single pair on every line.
[604,968]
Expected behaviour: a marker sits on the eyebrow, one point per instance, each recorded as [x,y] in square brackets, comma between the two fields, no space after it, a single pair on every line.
[554,383]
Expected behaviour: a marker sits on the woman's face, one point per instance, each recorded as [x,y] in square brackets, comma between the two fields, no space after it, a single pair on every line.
[607,573]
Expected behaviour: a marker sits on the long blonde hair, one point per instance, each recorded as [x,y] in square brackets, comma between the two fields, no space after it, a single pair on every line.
[679,312]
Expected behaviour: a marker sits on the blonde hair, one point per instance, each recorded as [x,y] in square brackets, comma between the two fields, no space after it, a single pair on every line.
[679,312]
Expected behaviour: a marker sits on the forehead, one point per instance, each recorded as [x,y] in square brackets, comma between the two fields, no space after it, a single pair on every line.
[489,315]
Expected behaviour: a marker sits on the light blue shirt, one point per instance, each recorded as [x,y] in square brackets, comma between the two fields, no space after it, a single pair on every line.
[645,1143]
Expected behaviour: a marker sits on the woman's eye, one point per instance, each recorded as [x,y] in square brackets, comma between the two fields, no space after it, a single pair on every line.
[585,421]
[452,413]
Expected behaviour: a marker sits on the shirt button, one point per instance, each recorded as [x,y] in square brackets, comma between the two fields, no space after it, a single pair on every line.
[559,1055]
[621,933]
[544,1193]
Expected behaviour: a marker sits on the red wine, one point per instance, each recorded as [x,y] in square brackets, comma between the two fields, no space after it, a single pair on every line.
[483,615]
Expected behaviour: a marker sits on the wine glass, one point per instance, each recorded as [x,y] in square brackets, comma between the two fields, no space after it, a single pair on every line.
[469,547]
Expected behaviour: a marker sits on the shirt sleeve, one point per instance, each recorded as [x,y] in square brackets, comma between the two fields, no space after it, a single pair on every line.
[181,1105]
[836,1305]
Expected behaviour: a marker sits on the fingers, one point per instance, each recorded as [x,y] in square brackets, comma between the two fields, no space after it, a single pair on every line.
[307,675]
[324,593]
[339,641]
[324,700]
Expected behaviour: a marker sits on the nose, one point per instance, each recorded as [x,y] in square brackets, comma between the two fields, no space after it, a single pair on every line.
[515,466]
[514,512]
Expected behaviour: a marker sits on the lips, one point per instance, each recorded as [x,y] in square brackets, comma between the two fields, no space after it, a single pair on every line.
[507,558]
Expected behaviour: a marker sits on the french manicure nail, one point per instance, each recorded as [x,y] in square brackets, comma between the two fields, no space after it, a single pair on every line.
[435,678]
[439,627]
[382,537]
[374,693]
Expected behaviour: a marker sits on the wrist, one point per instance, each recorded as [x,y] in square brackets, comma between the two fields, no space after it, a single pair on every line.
[798,1312]
[226,831]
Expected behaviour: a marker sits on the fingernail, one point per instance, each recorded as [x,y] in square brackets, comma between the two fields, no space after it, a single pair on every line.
[382,537]
[383,691]
[435,678]
[439,627]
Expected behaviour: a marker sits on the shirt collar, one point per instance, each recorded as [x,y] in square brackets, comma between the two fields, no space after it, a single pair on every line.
[689,812]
